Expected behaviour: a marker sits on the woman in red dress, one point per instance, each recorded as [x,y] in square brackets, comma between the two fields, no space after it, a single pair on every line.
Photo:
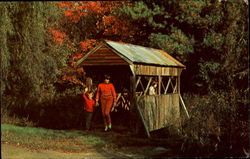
[107,95]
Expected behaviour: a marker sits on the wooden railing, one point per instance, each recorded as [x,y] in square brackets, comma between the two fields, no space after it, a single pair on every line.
[122,102]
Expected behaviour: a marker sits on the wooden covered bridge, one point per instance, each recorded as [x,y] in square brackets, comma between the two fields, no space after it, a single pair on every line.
[132,69]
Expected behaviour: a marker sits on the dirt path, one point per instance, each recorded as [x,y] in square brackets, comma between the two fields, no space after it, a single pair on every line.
[17,152]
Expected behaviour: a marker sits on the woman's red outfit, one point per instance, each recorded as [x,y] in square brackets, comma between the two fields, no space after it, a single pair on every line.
[106,93]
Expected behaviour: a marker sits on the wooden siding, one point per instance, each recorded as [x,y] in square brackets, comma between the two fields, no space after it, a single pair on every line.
[156,70]
[104,56]
[159,111]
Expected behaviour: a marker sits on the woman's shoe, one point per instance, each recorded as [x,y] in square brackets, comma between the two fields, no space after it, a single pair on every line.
[106,129]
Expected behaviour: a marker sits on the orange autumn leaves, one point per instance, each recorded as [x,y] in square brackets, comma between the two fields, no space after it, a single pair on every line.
[57,36]
[106,23]
[88,44]
[74,10]
[114,25]
[101,11]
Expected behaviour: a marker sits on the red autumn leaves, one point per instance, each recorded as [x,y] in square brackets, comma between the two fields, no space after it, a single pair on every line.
[102,12]
[99,10]
[57,36]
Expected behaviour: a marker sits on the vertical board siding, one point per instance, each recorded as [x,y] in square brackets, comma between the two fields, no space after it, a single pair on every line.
[159,111]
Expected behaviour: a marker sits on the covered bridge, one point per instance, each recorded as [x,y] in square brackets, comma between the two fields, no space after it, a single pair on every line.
[132,69]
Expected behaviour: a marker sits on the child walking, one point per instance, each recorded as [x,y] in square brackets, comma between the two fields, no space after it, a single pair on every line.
[88,107]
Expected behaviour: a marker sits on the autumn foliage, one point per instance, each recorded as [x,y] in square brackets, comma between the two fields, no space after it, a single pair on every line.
[57,36]
[106,23]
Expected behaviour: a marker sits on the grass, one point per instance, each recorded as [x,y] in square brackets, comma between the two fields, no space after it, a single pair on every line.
[39,138]
[77,140]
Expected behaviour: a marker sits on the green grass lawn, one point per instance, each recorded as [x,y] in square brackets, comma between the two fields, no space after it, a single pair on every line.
[39,138]
[76,140]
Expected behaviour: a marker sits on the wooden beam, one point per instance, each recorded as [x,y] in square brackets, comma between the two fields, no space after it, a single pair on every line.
[159,85]
[182,102]
[132,68]
[175,87]
[149,82]
[137,82]
[132,97]
[142,85]
[132,90]
[118,96]
[162,84]
[169,80]
[172,84]
[179,84]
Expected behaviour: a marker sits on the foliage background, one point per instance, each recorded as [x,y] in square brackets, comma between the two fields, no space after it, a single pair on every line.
[41,41]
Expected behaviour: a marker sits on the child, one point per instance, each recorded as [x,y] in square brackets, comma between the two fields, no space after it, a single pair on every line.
[152,88]
[88,106]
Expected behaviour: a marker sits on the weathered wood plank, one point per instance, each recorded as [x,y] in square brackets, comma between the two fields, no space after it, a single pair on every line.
[104,61]
[104,57]
[159,84]
[143,121]
[160,110]
[103,64]
[151,99]
[156,70]
[162,107]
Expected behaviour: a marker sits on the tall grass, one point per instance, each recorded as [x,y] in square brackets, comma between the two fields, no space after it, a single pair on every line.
[14,120]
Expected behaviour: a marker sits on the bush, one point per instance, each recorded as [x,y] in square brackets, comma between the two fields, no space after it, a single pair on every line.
[217,125]
[63,111]
[6,118]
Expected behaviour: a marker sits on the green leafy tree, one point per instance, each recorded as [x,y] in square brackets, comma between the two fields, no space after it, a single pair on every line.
[30,60]
[207,36]
[211,38]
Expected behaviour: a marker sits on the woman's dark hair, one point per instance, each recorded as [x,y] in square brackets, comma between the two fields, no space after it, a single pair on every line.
[106,76]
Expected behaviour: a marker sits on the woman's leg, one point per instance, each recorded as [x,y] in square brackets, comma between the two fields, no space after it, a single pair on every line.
[108,107]
[103,106]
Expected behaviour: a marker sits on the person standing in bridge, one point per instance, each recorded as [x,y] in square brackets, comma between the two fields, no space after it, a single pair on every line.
[152,88]
[107,95]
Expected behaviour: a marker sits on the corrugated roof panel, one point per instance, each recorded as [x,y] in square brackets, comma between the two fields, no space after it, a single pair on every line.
[142,54]
[128,54]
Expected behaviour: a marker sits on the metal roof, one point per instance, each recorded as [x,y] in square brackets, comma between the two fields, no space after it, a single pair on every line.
[140,54]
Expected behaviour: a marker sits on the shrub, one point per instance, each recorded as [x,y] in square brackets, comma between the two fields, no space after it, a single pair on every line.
[217,125]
